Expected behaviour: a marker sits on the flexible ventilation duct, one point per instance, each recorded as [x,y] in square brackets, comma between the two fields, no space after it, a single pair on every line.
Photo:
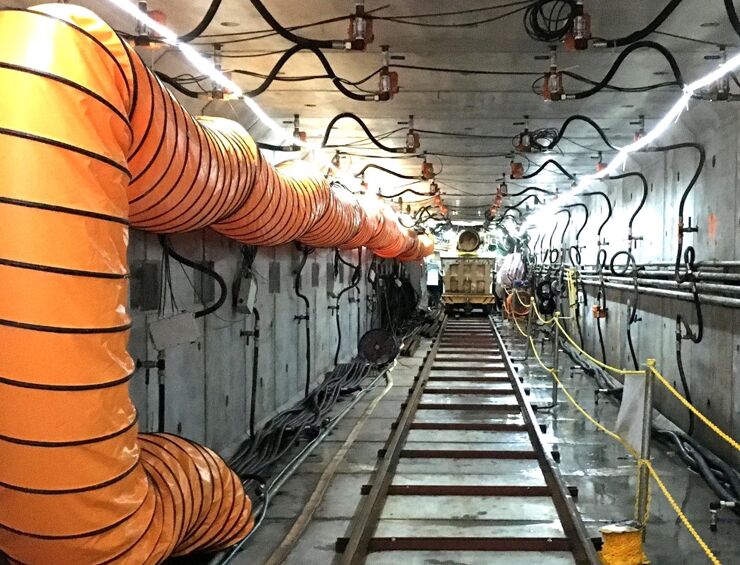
[92,143]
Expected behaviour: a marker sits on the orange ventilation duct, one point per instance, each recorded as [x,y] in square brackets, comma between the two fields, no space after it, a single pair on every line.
[90,143]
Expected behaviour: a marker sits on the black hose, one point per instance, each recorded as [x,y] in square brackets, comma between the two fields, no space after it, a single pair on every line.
[689,255]
[711,468]
[167,247]
[575,261]
[289,35]
[650,28]
[363,125]
[203,24]
[609,212]
[305,252]
[604,82]
[585,221]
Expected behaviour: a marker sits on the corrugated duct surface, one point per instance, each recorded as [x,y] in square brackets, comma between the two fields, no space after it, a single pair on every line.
[90,143]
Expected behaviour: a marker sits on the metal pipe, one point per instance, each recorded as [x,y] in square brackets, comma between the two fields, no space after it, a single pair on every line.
[702,287]
[699,264]
[665,274]
[687,296]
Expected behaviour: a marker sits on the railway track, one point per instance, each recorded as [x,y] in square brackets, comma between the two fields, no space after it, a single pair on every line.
[464,476]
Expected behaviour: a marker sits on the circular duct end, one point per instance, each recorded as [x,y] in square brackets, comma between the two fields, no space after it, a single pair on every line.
[468,241]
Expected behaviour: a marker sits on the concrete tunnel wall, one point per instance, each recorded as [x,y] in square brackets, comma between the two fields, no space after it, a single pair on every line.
[713,366]
[209,382]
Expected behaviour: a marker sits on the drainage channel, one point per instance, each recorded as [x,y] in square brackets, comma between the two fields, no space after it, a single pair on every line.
[464,475]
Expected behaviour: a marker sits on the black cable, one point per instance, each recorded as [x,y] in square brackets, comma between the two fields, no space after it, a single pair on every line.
[255,370]
[289,35]
[167,247]
[647,30]
[363,125]
[463,71]
[353,283]
[689,255]
[404,19]
[285,57]
[618,63]
[565,210]
[522,201]
[542,167]
[305,252]
[531,189]
[388,171]
[609,208]
[284,148]
[561,132]
[176,85]
[614,87]
[460,135]
[544,27]
[684,331]
[203,24]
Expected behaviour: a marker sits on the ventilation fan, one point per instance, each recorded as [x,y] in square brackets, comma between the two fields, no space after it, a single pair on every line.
[378,346]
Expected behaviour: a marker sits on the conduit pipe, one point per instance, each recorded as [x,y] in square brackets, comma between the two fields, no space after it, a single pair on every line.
[92,143]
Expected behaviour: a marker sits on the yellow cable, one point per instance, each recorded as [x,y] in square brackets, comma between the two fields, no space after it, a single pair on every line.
[691,407]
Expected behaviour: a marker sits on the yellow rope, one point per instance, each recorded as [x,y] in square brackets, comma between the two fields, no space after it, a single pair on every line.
[677,509]
[593,359]
[712,426]
[640,462]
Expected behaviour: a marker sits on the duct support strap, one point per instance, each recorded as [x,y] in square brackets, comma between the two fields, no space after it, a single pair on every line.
[91,143]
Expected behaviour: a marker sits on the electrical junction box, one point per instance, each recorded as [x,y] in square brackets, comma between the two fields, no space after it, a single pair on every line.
[330,278]
[273,279]
[145,285]
[315,273]
[174,330]
[247,296]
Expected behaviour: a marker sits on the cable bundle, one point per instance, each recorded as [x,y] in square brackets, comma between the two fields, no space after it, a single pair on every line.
[255,456]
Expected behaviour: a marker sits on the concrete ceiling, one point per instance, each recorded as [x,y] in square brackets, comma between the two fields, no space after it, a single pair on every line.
[468,104]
